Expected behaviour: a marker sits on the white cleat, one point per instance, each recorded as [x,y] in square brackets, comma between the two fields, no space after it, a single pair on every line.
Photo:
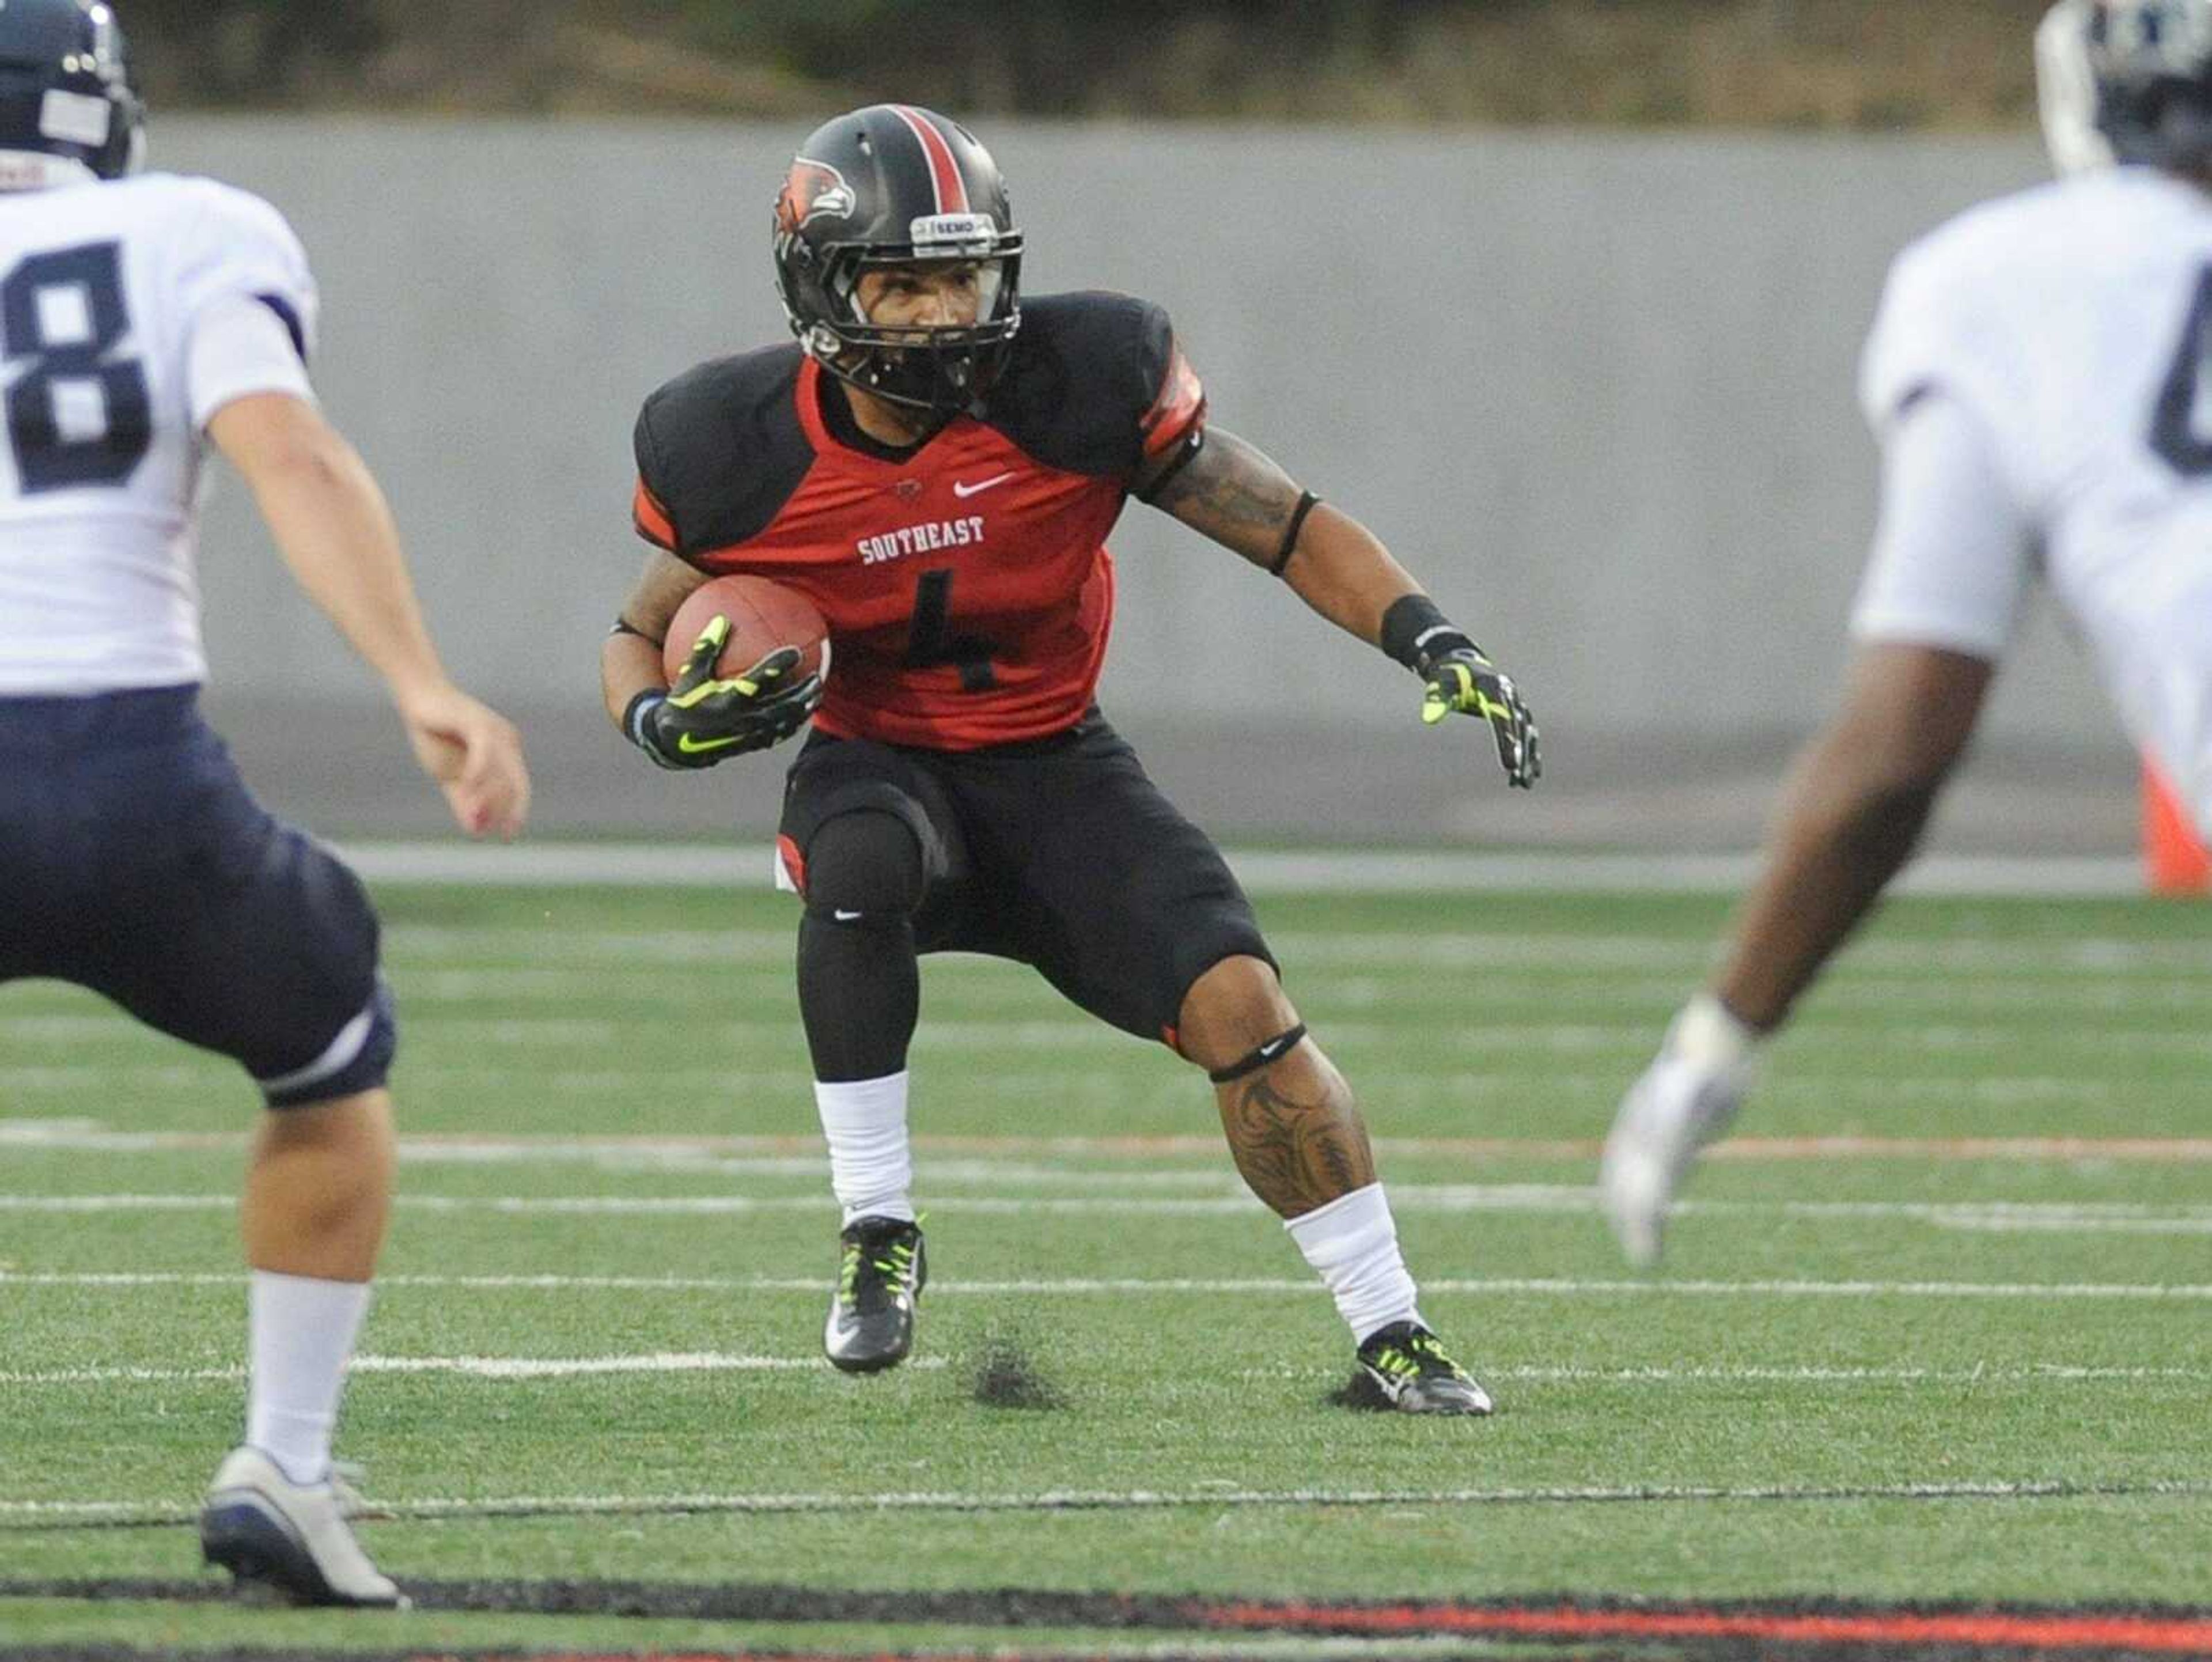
[270,1533]
[1685,1099]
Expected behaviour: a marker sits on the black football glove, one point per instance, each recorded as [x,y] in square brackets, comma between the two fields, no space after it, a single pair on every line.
[1460,678]
[703,720]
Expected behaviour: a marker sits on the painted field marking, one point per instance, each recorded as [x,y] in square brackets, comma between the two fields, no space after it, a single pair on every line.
[1881,1632]
[90,1136]
[746,867]
[534,1368]
[793,1085]
[1983,1217]
[474,1367]
[1416,949]
[1205,1496]
[2153,1292]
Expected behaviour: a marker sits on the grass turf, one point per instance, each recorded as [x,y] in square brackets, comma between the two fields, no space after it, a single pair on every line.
[1842,1346]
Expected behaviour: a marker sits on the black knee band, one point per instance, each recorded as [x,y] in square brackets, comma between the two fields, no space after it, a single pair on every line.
[1272,1051]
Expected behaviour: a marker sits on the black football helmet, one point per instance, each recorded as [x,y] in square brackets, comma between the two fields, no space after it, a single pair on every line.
[2127,81]
[895,184]
[65,86]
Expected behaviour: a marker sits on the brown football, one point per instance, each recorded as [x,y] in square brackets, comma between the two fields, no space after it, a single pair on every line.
[763,616]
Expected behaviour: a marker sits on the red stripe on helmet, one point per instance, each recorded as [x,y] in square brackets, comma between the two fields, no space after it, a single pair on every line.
[943,170]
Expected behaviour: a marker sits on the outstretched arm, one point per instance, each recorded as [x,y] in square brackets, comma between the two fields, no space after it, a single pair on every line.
[1230,492]
[1234,493]
[331,525]
[1852,810]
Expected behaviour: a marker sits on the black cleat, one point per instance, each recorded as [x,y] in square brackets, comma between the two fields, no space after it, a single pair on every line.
[870,1323]
[1406,1363]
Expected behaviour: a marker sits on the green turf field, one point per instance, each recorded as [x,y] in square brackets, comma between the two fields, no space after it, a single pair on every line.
[1963,1353]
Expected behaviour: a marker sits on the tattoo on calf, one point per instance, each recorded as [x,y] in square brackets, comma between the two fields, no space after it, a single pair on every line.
[1297,1148]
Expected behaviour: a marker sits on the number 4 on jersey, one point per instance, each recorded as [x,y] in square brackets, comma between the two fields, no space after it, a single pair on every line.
[931,639]
[2177,434]
[72,419]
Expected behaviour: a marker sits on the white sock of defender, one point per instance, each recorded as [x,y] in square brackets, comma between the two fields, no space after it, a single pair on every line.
[300,1331]
[1352,1245]
[870,1162]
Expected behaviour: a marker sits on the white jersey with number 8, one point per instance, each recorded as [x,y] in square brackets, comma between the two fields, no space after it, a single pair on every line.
[129,313]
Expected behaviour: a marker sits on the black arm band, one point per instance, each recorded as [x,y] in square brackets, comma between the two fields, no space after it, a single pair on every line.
[1183,458]
[1264,1057]
[1414,630]
[1306,503]
[623,626]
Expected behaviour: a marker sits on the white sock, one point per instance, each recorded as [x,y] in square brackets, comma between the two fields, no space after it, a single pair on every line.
[1352,1245]
[302,1331]
[871,1162]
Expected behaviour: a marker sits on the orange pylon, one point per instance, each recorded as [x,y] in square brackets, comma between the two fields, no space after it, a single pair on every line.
[2175,860]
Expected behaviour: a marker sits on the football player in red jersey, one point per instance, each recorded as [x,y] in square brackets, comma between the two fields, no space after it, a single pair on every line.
[936,463]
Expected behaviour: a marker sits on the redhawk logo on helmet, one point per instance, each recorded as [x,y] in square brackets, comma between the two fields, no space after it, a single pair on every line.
[812,190]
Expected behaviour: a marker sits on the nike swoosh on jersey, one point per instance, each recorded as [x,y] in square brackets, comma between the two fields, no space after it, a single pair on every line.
[961,488]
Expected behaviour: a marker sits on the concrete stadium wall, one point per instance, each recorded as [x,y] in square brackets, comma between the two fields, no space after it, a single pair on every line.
[1595,391]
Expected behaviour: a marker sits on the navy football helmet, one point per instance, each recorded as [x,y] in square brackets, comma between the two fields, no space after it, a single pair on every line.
[2127,81]
[895,184]
[65,86]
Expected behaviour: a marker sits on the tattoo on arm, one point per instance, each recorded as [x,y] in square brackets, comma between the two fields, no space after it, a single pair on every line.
[1232,492]
[1297,1137]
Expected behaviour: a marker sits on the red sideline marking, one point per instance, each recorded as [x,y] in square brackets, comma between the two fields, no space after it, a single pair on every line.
[2191,1149]
[2035,1632]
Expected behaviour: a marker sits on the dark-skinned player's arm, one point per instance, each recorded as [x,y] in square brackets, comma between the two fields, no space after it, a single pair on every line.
[699,719]
[1852,809]
[1229,490]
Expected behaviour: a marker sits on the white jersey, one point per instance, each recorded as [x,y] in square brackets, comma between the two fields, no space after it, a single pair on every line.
[129,313]
[2040,377]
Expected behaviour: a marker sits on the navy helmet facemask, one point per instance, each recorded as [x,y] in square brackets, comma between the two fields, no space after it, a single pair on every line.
[2126,82]
[67,106]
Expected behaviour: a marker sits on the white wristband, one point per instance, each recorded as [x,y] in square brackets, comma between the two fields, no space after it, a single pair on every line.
[1707,1032]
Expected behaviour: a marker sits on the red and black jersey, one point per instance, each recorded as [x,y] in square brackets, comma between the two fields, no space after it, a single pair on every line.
[966,581]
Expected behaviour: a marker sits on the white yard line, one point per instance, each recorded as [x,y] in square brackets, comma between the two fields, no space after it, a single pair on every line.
[1171,1287]
[791,1088]
[474,1367]
[1487,1037]
[90,1136]
[1202,1496]
[746,866]
[587,952]
[1532,1199]
[537,1368]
